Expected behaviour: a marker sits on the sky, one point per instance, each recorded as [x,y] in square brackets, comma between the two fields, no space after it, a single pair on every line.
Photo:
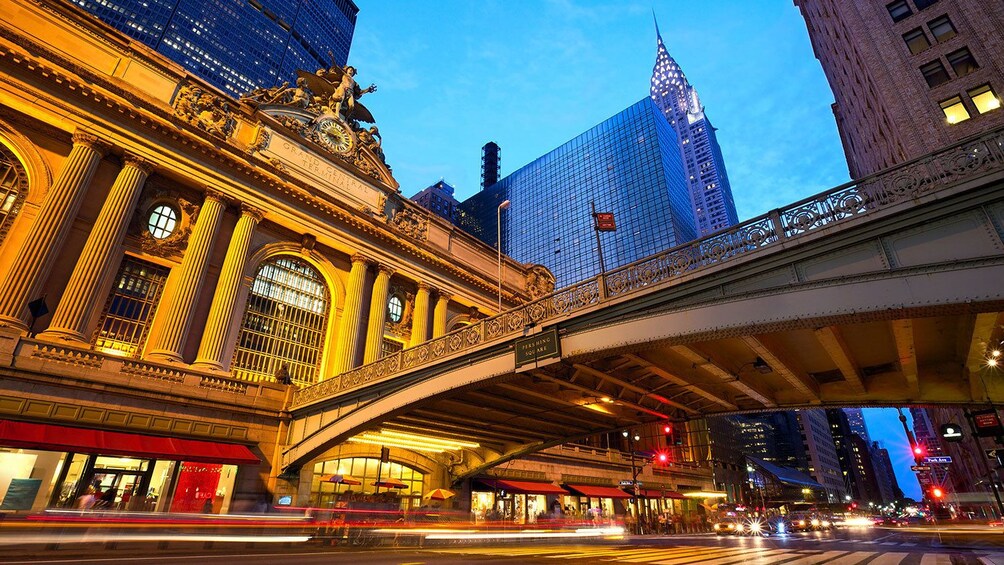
[532,74]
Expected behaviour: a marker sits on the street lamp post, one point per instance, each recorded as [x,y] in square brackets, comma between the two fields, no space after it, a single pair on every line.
[632,438]
[498,224]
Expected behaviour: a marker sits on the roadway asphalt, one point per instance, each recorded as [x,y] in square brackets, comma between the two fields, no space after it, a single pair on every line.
[841,547]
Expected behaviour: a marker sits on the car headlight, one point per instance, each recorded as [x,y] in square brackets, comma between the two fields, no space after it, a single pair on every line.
[815,522]
[826,523]
[801,522]
[717,526]
[739,527]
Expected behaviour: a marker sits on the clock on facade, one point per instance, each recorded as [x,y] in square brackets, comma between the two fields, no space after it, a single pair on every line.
[335,135]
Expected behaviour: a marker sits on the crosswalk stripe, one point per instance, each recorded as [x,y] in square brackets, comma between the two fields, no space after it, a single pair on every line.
[852,559]
[906,544]
[936,559]
[743,557]
[889,543]
[819,558]
[688,556]
[993,559]
[888,559]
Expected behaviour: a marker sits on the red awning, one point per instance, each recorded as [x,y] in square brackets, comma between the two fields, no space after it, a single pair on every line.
[522,487]
[598,492]
[653,493]
[82,440]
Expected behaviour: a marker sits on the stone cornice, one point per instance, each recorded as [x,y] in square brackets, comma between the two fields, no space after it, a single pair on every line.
[158,119]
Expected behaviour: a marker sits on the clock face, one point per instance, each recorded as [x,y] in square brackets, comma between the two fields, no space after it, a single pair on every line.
[335,135]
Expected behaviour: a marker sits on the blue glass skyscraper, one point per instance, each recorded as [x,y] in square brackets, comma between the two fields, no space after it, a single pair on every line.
[237,45]
[629,165]
[707,181]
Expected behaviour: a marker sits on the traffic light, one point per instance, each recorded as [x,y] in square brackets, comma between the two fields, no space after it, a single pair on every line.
[919,451]
[937,493]
[661,458]
[673,437]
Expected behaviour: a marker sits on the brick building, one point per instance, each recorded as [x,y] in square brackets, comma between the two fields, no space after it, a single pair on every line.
[908,76]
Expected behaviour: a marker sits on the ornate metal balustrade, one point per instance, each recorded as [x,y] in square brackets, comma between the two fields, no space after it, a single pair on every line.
[913,180]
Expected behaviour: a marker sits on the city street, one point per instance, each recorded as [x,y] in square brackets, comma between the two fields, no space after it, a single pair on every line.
[842,547]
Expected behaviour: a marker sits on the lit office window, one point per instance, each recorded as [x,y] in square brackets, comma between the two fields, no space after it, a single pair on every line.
[942,29]
[13,189]
[395,309]
[162,221]
[916,41]
[284,325]
[130,307]
[954,110]
[984,98]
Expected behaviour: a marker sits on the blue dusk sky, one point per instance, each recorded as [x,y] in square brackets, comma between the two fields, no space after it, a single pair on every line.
[532,74]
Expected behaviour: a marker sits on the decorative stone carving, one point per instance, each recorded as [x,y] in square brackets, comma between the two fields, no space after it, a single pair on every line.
[411,224]
[204,110]
[262,137]
[539,281]
[173,245]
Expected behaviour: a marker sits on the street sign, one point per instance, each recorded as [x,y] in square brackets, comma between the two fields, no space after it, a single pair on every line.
[923,479]
[938,459]
[629,483]
[951,432]
[987,423]
[605,221]
[995,455]
[919,468]
[544,345]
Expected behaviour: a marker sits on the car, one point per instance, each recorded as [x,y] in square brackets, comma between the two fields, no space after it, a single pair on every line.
[726,527]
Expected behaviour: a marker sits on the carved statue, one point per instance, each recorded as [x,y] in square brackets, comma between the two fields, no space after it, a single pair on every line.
[338,93]
[539,281]
[203,110]
[371,139]
[411,224]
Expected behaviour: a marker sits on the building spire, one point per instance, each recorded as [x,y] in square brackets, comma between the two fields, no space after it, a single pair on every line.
[656,20]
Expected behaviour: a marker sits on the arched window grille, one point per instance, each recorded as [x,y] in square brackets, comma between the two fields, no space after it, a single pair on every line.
[130,307]
[284,325]
[13,189]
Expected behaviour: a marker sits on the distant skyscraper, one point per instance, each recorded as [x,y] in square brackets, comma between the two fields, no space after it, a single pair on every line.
[885,477]
[237,45]
[629,165]
[707,182]
[824,465]
[491,164]
[439,199]
[927,437]
[909,76]
[856,420]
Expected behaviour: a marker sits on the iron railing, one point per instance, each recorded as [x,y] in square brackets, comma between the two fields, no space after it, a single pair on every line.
[912,180]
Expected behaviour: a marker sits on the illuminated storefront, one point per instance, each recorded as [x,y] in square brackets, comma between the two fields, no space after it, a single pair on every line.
[365,479]
[92,469]
[519,502]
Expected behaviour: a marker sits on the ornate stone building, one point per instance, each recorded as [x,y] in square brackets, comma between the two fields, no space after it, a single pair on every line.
[174,262]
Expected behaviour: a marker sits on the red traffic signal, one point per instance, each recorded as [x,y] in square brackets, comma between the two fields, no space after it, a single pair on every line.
[662,458]
[918,450]
[937,493]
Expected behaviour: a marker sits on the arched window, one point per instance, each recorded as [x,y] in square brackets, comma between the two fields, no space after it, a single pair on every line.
[326,489]
[13,189]
[284,325]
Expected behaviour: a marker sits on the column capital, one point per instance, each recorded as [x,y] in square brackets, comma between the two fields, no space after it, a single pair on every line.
[382,268]
[422,285]
[91,141]
[137,162]
[215,194]
[360,258]
[445,296]
[252,211]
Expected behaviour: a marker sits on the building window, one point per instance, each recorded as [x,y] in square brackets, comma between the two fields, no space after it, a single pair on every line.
[285,323]
[395,309]
[367,471]
[916,41]
[923,4]
[962,61]
[130,307]
[899,10]
[984,98]
[162,221]
[934,73]
[942,29]
[390,347]
[954,110]
[13,189]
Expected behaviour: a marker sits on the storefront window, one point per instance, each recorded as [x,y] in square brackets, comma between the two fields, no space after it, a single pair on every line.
[203,488]
[324,494]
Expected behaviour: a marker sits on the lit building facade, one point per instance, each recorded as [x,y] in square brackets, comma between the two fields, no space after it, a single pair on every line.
[438,199]
[629,164]
[237,45]
[908,76]
[707,181]
[174,262]
[824,465]
[856,421]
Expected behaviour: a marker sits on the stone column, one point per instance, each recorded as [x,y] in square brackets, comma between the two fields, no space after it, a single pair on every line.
[378,314]
[33,262]
[69,322]
[439,315]
[212,350]
[174,318]
[420,316]
[348,328]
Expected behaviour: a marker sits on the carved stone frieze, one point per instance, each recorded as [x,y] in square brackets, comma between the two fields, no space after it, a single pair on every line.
[539,281]
[204,110]
[411,224]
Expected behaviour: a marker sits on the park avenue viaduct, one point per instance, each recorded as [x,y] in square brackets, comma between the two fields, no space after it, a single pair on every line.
[886,291]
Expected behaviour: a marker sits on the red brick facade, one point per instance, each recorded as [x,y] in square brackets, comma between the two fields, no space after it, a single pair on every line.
[886,111]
